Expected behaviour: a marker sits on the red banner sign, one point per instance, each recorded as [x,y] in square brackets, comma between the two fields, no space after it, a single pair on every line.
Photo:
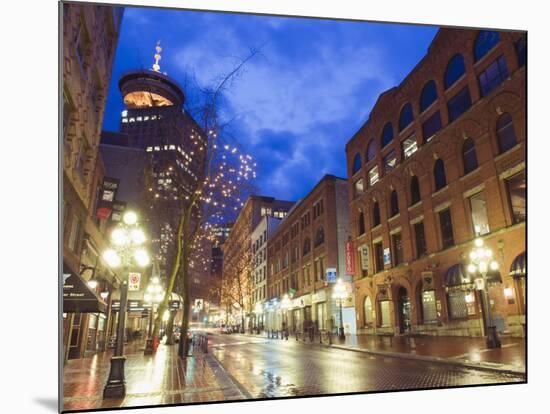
[350,258]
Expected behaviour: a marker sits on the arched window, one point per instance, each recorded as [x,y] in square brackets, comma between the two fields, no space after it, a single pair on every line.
[371,150]
[455,69]
[394,205]
[439,174]
[367,311]
[428,95]
[319,236]
[361,223]
[485,41]
[306,247]
[406,117]
[469,156]
[387,134]
[505,133]
[376,214]
[356,163]
[415,190]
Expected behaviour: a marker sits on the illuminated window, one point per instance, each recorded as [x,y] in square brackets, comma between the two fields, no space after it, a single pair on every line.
[124,120]
[132,119]
[478,207]
[373,175]
[139,119]
[124,113]
[390,161]
[409,147]
[517,186]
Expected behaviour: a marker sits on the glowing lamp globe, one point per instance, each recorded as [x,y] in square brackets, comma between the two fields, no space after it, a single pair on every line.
[130,218]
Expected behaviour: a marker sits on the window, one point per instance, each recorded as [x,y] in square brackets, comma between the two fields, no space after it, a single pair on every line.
[306,247]
[376,214]
[371,150]
[459,104]
[420,239]
[431,126]
[478,207]
[493,76]
[294,256]
[397,247]
[458,308]
[406,117]
[517,186]
[415,190]
[506,135]
[521,50]
[455,70]
[367,312]
[356,163]
[390,161]
[446,227]
[361,223]
[429,310]
[378,257]
[373,175]
[428,95]
[319,236]
[439,174]
[358,187]
[409,147]
[485,41]
[394,205]
[469,157]
[74,234]
[387,134]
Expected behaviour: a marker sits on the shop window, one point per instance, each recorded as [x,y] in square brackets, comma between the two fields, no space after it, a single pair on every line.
[385,314]
[478,206]
[439,174]
[409,147]
[356,164]
[373,175]
[394,204]
[458,308]
[390,161]
[517,187]
[431,126]
[375,214]
[446,227]
[429,308]
[415,190]
[485,41]
[521,50]
[371,150]
[505,133]
[397,247]
[378,257]
[469,156]
[420,239]
[459,104]
[455,70]
[387,134]
[367,312]
[405,117]
[428,95]
[493,76]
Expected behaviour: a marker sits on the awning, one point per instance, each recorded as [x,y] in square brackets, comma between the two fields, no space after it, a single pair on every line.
[77,295]
[457,276]
[519,266]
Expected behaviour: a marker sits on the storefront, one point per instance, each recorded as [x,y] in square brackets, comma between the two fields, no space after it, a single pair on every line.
[518,271]
[319,304]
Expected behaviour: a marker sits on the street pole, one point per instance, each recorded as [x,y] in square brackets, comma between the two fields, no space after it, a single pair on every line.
[342,335]
[116,384]
[493,341]
[149,343]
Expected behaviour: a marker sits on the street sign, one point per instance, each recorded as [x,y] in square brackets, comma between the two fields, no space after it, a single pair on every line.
[331,275]
[133,281]
[364,257]
[198,304]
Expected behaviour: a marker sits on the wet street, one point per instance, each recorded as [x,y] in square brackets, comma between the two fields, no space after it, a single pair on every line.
[267,368]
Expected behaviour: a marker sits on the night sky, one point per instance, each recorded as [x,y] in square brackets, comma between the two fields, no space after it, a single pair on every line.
[298,102]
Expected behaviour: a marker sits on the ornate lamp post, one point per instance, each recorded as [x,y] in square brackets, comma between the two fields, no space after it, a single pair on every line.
[285,305]
[127,239]
[154,295]
[480,263]
[340,294]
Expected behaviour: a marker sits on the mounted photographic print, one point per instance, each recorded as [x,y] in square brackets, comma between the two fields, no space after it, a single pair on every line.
[259,207]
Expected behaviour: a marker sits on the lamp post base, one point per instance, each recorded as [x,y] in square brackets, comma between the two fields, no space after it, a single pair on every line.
[116,384]
[341,334]
[148,347]
[493,341]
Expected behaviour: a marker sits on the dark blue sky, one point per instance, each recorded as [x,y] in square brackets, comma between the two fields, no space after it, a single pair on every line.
[298,103]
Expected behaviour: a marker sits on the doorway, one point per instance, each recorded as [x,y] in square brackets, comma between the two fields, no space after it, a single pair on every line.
[404,310]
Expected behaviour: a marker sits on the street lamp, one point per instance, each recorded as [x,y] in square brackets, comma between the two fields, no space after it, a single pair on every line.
[258,311]
[480,263]
[154,295]
[126,241]
[340,293]
[285,305]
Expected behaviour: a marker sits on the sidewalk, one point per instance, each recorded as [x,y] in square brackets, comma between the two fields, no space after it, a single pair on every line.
[157,379]
[471,352]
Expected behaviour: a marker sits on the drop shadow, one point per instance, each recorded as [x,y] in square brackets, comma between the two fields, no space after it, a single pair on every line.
[49,403]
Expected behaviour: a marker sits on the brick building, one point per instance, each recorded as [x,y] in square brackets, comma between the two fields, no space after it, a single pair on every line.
[308,242]
[90,35]
[238,257]
[441,160]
